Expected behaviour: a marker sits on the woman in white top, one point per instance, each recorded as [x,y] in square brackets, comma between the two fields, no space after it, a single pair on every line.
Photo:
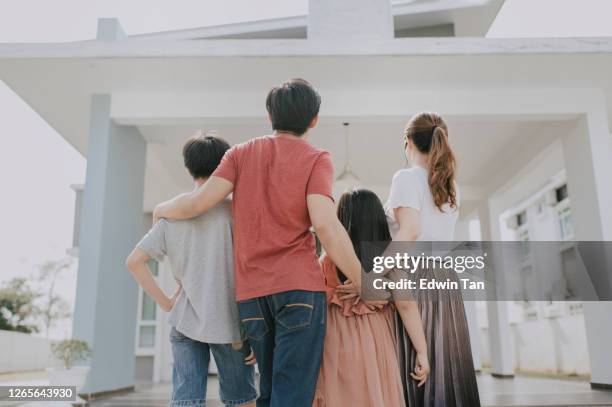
[424,205]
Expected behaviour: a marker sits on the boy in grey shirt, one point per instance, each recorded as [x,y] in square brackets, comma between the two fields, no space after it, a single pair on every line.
[203,310]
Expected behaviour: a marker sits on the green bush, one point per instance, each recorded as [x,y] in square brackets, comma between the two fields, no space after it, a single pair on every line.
[70,351]
[17,306]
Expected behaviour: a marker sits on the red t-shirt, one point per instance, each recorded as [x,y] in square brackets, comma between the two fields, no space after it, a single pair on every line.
[274,249]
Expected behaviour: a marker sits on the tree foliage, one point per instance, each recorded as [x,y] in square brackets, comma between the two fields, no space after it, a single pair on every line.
[17,306]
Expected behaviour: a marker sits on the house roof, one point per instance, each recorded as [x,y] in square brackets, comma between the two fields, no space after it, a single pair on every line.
[469,17]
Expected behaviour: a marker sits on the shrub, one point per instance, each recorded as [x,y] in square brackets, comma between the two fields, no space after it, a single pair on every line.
[70,351]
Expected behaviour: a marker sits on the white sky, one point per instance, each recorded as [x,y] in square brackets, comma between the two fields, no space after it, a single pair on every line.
[37,166]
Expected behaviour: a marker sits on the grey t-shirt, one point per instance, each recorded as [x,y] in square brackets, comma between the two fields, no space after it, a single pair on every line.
[200,254]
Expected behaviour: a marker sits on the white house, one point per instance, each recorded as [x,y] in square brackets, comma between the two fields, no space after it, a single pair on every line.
[521,111]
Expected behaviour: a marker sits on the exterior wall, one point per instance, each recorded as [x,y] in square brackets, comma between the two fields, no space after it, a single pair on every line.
[545,337]
[21,352]
[543,345]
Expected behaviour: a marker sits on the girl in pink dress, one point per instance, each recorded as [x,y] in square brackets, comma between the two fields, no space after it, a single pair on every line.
[360,366]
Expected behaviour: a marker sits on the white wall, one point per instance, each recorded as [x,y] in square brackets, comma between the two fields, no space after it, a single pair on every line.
[545,338]
[21,352]
[543,345]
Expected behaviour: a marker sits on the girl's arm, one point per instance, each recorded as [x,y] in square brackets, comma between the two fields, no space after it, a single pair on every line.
[411,317]
[409,230]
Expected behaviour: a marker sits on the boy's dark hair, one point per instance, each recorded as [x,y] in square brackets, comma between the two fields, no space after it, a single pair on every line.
[293,105]
[203,153]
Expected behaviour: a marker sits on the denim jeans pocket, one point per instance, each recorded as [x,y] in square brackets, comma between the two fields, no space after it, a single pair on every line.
[296,309]
[252,318]
[176,336]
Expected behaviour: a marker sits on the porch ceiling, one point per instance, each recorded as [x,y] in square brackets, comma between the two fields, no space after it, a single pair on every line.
[483,147]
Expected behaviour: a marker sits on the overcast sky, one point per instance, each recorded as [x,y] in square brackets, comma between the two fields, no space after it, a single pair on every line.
[37,202]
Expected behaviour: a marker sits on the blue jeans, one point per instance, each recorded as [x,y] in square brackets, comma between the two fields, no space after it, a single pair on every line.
[190,372]
[286,331]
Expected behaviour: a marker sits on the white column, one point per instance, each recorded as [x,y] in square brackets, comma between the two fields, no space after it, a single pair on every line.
[500,335]
[462,233]
[588,160]
[350,20]
[474,329]
[112,223]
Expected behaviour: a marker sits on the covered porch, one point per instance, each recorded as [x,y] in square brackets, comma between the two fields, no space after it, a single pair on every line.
[519,112]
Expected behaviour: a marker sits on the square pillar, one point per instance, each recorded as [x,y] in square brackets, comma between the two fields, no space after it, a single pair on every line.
[462,233]
[500,334]
[471,315]
[588,160]
[112,223]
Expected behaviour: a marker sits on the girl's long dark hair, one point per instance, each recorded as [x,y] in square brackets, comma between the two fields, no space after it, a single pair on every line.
[362,215]
[429,133]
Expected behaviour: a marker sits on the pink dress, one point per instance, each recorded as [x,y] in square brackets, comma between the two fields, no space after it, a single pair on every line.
[360,366]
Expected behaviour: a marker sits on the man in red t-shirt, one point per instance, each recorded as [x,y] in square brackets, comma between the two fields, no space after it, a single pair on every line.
[281,185]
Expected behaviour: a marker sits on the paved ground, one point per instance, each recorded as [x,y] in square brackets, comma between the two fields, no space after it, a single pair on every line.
[518,392]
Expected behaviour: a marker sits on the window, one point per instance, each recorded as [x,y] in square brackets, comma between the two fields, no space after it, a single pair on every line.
[561,193]
[564,214]
[521,218]
[523,236]
[154,267]
[147,317]
[148,309]
[540,205]
[566,228]
[146,337]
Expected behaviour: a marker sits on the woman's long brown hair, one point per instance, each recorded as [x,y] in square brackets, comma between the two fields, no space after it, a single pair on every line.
[429,134]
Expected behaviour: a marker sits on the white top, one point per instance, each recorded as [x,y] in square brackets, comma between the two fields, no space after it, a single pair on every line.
[410,189]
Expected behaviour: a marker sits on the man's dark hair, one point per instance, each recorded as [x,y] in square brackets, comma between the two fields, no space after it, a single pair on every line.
[293,105]
[203,153]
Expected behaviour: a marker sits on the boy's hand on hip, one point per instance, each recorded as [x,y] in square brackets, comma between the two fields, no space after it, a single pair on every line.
[172,300]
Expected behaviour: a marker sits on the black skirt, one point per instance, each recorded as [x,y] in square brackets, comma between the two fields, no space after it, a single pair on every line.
[452,380]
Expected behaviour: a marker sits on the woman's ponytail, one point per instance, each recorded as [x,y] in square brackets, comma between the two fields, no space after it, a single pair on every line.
[442,166]
[429,134]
